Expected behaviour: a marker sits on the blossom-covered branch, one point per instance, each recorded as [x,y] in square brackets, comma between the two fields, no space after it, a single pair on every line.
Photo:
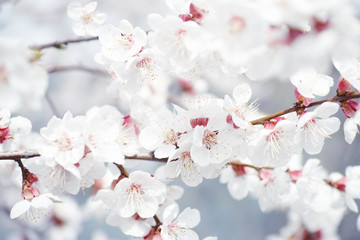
[297,107]
[61,44]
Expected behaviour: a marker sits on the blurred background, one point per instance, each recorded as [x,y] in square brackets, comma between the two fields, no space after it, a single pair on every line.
[43,21]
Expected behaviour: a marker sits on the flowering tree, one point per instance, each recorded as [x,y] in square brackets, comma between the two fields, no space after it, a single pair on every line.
[166,80]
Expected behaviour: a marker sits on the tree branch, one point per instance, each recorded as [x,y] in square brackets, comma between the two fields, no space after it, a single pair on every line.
[18,155]
[75,68]
[61,44]
[298,107]
[24,171]
[150,157]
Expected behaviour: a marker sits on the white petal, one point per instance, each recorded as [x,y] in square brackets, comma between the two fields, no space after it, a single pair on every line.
[190,217]
[148,208]
[79,29]
[327,109]
[238,188]
[191,175]
[90,7]
[41,202]
[200,155]
[350,130]
[164,151]
[74,10]
[99,18]
[150,139]
[19,208]
[125,27]
[350,202]
[132,227]
[20,125]
[189,235]
[242,94]
[198,136]
[170,213]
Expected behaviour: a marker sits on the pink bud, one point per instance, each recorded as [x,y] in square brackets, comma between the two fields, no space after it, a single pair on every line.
[197,13]
[320,25]
[306,101]
[186,86]
[28,191]
[295,175]
[272,123]
[264,174]
[340,184]
[343,84]
[293,34]
[239,170]
[185,17]
[349,108]
[31,178]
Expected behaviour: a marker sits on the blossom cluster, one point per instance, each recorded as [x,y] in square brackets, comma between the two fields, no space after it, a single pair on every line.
[162,76]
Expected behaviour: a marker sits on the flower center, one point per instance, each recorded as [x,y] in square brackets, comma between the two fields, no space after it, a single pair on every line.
[236,24]
[64,143]
[209,139]
[144,63]
[126,41]
[173,229]
[171,137]
[86,18]
[4,134]
[135,188]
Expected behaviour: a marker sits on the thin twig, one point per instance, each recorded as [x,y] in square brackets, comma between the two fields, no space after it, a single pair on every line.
[150,157]
[296,108]
[24,171]
[158,223]
[258,169]
[61,44]
[52,105]
[76,68]
[122,170]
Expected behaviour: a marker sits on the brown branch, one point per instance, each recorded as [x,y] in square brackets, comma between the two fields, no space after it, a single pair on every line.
[51,104]
[258,169]
[33,153]
[297,107]
[158,223]
[76,68]
[61,44]
[150,157]
[122,170]
[19,155]
[24,171]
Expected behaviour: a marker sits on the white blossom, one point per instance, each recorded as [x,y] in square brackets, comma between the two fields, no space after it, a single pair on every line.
[86,20]
[121,43]
[314,127]
[310,83]
[180,227]
[140,193]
